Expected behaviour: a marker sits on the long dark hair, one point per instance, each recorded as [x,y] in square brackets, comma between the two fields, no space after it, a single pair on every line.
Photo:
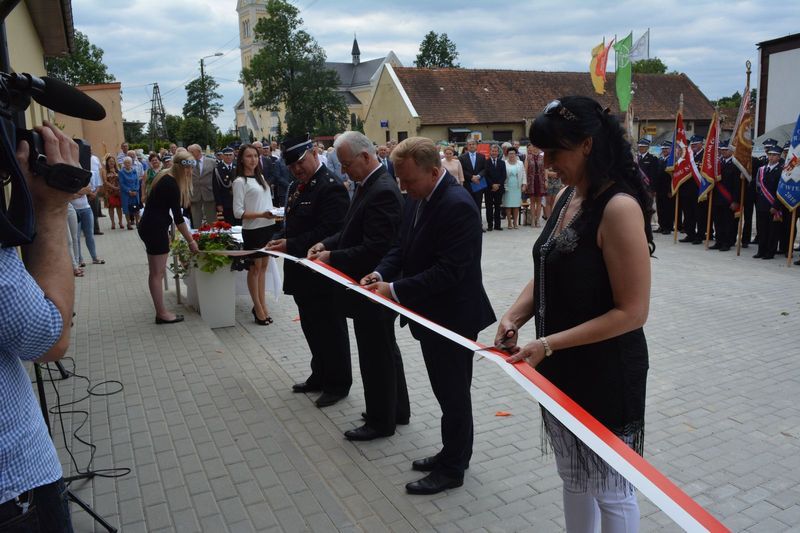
[259,176]
[569,121]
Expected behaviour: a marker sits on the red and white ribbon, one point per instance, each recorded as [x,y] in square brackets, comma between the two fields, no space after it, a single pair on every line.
[686,512]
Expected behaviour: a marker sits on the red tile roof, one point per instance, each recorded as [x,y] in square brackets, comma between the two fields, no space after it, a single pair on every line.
[478,96]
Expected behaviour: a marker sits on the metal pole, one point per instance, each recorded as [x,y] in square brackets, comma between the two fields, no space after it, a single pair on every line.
[205,117]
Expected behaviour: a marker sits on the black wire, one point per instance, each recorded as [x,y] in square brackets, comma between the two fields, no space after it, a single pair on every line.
[60,412]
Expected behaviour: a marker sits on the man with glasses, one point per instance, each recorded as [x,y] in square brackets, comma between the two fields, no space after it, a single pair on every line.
[316,208]
[370,229]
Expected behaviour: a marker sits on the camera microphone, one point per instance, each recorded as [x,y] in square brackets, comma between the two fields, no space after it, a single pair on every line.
[56,95]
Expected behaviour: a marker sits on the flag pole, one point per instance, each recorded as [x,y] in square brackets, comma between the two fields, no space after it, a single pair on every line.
[710,199]
[790,252]
[648,43]
[675,162]
[743,179]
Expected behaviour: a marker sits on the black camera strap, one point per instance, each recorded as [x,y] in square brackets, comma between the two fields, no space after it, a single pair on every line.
[17,226]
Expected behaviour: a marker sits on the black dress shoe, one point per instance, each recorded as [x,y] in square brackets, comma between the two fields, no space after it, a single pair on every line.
[399,421]
[715,246]
[666,231]
[797,262]
[686,239]
[305,386]
[771,256]
[757,256]
[745,245]
[329,399]
[434,483]
[365,433]
[178,318]
[724,248]
[427,464]
[498,228]
[697,241]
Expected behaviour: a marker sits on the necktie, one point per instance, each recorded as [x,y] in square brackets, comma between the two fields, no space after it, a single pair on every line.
[472,159]
[418,213]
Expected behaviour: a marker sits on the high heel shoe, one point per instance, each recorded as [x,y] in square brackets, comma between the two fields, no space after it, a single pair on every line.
[266,322]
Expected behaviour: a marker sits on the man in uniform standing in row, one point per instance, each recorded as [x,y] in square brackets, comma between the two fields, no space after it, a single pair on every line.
[665,203]
[726,200]
[316,207]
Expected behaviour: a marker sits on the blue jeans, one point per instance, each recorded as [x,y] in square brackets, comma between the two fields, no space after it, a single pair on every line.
[86,226]
[47,511]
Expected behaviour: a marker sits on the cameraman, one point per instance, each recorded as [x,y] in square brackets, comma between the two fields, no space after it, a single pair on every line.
[36,302]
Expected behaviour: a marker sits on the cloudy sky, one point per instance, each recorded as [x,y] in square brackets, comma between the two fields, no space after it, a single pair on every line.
[162,41]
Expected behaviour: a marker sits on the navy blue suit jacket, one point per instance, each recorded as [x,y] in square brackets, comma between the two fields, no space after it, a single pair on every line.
[436,267]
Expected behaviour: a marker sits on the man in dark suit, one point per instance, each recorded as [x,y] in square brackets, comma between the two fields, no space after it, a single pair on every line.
[473,164]
[277,175]
[224,175]
[316,209]
[726,200]
[495,174]
[769,212]
[370,229]
[435,270]
[665,204]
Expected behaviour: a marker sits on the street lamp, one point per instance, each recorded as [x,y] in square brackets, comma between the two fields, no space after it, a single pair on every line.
[205,97]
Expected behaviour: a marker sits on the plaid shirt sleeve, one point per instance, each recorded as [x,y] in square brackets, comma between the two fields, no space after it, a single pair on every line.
[30,324]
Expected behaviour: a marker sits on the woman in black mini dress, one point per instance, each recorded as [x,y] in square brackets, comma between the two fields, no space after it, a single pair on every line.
[170,191]
[590,297]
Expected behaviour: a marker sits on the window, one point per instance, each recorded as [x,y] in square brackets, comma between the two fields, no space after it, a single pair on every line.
[402,136]
[503,135]
[246,28]
[387,136]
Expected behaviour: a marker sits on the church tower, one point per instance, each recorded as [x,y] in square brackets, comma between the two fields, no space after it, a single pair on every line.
[262,123]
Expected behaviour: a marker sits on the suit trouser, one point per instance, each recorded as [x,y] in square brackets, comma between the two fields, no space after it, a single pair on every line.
[665,208]
[688,208]
[450,371]
[381,364]
[702,218]
[493,201]
[325,330]
[478,198]
[724,225]
[768,233]
[203,209]
[94,203]
[749,205]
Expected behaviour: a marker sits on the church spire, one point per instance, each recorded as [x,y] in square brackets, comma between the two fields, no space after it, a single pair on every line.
[356,52]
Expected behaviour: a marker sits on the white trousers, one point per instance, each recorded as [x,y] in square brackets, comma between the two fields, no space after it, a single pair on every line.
[606,505]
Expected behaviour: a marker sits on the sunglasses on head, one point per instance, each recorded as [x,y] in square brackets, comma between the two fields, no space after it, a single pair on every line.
[557,108]
[188,163]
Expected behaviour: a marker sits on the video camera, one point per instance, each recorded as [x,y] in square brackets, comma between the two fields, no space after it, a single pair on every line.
[16,92]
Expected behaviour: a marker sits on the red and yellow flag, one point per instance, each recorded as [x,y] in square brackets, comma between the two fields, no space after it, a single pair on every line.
[741,140]
[710,168]
[597,66]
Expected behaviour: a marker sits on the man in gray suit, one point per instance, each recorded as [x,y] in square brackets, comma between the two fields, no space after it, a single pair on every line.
[203,207]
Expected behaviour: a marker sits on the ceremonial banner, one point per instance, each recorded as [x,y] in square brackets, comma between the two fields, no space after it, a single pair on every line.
[681,156]
[710,168]
[597,66]
[623,75]
[742,141]
[641,50]
[789,186]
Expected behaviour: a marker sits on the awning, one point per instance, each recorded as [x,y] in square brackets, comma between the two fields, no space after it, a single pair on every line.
[459,130]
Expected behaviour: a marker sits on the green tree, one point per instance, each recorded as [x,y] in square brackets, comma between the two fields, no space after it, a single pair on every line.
[202,92]
[174,124]
[649,66]
[735,100]
[437,51]
[134,132]
[290,69]
[82,67]
[194,131]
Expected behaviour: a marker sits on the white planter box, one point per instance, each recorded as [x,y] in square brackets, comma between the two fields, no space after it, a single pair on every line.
[216,296]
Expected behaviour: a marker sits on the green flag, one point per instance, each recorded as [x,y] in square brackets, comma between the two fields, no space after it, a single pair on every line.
[623,75]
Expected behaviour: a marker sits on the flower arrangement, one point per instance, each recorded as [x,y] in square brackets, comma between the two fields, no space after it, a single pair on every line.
[216,236]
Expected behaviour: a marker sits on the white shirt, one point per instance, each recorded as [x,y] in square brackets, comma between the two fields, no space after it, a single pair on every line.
[250,197]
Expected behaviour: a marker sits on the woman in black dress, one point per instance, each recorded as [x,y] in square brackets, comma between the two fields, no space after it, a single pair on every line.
[170,191]
[590,297]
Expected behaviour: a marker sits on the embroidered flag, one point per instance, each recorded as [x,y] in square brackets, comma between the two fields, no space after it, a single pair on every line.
[623,75]
[789,186]
[710,168]
[680,159]
[741,140]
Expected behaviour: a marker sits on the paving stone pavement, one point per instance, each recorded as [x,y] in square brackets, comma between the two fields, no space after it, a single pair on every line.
[216,441]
